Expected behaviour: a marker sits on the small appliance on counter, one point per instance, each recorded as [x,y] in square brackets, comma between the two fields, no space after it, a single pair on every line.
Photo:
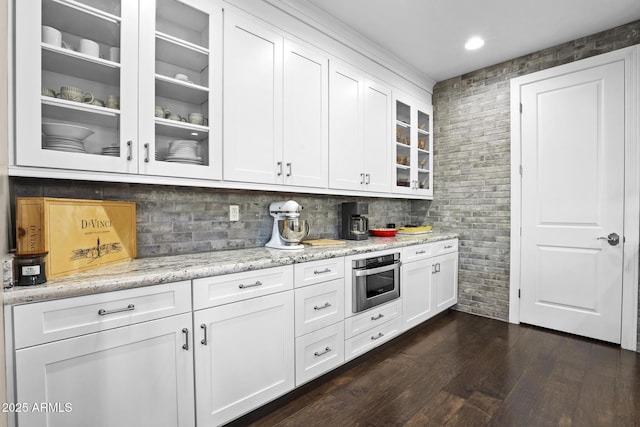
[288,228]
[355,225]
[29,269]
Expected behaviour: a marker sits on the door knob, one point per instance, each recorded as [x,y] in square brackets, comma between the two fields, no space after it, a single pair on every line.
[613,239]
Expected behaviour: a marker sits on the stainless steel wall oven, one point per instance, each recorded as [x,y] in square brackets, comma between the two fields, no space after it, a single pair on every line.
[375,281]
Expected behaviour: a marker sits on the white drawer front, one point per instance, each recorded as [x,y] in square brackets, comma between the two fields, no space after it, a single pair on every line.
[218,290]
[364,342]
[371,318]
[48,321]
[414,253]
[318,306]
[309,273]
[445,247]
[319,352]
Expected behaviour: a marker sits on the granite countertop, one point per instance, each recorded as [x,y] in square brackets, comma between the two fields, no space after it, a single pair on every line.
[166,269]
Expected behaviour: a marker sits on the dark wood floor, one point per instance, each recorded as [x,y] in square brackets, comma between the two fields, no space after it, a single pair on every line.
[464,370]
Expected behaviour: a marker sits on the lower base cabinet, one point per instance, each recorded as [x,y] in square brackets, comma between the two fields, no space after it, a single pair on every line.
[244,356]
[319,352]
[445,281]
[103,379]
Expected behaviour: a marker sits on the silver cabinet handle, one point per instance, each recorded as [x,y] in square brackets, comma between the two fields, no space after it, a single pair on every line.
[243,286]
[380,335]
[613,239]
[361,178]
[288,169]
[129,143]
[367,178]
[103,312]
[379,316]
[326,270]
[185,331]
[322,307]
[448,246]
[433,269]
[203,341]
[279,164]
[146,153]
[420,252]
[320,353]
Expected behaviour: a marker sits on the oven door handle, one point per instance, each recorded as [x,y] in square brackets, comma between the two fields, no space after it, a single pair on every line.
[377,270]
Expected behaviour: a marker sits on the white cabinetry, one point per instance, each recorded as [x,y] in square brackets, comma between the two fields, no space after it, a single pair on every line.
[139,373]
[319,326]
[157,41]
[429,280]
[244,351]
[359,123]
[275,108]
[371,328]
[413,147]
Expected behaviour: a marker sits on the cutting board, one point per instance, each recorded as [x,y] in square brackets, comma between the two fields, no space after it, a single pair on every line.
[324,242]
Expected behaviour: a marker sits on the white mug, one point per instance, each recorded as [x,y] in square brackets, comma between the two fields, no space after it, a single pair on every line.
[89,47]
[51,36]
[114,54]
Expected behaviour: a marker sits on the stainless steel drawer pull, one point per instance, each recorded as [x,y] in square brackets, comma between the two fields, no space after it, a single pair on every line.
[380,335]
[243,286]
[129,150]
[448,246]
[320,353]
[146,153]
[326,270]
[379,316]
[326,305]
[204,334]
[420,252]
[185,346]
[103,312]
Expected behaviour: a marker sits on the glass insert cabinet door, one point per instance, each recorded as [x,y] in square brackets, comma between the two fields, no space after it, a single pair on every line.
[98,66]
[181,88]
[413,147]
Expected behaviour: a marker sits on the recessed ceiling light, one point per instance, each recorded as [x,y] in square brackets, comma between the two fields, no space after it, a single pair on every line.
[474,43]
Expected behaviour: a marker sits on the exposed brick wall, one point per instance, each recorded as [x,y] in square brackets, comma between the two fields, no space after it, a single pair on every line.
[181,220]
[472,164]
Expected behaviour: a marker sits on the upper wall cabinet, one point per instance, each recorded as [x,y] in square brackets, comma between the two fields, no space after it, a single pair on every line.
[413,147]
[126,86]
[275,107]
[359,123]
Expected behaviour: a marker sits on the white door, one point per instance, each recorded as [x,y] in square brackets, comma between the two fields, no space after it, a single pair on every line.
[445,281]
[345,128]
[306,116]
[138,375]
[377,134]
[252,147]
[244,356]
[572,198]
[417,305]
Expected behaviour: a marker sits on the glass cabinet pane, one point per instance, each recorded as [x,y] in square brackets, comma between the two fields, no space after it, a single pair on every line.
[181,84]
[80,76]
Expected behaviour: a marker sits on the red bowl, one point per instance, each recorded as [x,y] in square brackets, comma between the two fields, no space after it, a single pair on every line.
[383,232]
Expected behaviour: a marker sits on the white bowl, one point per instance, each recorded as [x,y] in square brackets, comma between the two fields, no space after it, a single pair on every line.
[64,130]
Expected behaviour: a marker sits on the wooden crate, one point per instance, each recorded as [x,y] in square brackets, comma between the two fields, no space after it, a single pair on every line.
[78,234]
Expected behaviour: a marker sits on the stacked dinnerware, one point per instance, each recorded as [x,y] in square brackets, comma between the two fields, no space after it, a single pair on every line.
[65,137]
[184,151]
[111,150]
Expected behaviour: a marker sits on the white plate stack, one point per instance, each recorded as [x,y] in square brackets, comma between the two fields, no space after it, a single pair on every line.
[65,137]
[111,150]
[184,151]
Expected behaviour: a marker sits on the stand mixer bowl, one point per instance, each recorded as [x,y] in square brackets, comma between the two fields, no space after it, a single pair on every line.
[293,230]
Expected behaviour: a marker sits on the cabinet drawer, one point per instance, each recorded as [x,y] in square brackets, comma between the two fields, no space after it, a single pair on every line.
[445,247]
[218,290]
[370,318]
[318,306]
[309,273]
[414,253]
[372,338]
[319,352]
[54,320]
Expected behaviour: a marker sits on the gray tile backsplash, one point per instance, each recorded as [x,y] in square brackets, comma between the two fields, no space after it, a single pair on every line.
[179,220]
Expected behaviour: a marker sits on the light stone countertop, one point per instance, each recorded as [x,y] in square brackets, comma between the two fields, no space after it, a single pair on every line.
[166,269]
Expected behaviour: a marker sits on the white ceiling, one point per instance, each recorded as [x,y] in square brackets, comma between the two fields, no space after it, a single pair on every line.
[430,35]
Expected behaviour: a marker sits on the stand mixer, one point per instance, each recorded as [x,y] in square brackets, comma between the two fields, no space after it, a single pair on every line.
[288,228]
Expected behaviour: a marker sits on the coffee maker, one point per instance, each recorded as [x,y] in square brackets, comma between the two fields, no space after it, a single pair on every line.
[355,225]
